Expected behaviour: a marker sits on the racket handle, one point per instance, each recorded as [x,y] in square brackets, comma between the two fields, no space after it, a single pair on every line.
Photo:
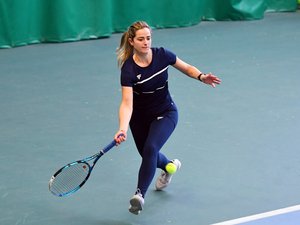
[109,146]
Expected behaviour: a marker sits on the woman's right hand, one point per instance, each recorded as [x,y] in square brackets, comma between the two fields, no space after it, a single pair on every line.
[120,136]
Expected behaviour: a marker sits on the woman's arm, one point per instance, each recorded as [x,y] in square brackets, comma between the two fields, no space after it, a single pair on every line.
[193,72]
[125,112]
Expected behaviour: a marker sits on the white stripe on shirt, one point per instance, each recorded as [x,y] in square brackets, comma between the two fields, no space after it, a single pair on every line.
[154,75]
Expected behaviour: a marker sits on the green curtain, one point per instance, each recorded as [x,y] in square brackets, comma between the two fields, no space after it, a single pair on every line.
[236,10]
[33,21]
[30,21]
[281,5]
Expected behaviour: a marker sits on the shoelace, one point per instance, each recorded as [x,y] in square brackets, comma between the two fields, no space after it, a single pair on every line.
[138,192]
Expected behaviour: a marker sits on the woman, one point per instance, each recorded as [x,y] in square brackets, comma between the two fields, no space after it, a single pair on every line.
[147,106]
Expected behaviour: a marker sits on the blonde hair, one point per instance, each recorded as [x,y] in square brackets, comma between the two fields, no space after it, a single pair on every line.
[125,50]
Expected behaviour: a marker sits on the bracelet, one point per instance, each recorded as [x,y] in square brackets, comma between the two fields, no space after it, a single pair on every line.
[199,76]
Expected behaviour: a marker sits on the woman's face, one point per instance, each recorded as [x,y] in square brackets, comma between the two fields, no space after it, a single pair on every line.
[142,41]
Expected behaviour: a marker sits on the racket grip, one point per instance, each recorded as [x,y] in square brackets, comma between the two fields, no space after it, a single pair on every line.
[109,146]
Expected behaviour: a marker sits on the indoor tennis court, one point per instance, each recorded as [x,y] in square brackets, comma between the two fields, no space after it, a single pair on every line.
[238,143]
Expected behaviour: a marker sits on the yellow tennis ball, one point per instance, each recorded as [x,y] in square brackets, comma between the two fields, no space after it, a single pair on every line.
[171,168]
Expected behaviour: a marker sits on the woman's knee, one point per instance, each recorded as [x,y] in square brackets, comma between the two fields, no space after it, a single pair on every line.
[150,151]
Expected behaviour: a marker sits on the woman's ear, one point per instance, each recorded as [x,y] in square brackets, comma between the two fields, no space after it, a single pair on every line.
[130,41]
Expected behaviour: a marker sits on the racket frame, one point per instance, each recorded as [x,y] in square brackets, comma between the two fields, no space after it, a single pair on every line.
[94,157]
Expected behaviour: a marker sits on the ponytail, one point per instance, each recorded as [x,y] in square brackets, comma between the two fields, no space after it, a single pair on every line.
[125,50]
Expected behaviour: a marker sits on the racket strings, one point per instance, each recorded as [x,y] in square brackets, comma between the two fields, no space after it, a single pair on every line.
[69,179]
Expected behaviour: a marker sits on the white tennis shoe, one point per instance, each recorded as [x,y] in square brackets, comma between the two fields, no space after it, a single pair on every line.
[136,204]
[165,178]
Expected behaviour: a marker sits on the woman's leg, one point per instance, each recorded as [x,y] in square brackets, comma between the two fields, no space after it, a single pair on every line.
[149,142]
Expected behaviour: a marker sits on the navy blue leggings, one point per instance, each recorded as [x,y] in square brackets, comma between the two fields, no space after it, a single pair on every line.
[150,133]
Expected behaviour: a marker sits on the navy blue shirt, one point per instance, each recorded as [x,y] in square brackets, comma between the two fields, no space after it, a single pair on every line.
[150,84]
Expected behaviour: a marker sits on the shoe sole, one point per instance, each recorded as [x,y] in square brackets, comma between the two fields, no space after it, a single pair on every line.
[136,206]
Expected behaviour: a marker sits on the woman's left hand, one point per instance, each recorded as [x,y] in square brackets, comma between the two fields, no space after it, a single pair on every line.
[210,79]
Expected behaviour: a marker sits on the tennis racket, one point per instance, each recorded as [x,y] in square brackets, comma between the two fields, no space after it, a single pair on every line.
[71,177]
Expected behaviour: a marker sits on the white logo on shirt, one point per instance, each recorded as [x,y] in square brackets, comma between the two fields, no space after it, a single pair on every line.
[139,76]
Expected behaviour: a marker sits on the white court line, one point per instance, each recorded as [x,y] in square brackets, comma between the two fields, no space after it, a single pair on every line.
[260,216]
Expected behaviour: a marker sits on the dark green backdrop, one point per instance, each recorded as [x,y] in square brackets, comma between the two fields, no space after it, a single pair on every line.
[32,21]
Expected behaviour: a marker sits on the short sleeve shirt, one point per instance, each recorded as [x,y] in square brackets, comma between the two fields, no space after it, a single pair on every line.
[150,84]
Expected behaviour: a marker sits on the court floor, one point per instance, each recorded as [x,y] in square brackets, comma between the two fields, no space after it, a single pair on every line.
[238,143]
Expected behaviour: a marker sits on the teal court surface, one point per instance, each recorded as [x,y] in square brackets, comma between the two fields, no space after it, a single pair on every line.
[238,143]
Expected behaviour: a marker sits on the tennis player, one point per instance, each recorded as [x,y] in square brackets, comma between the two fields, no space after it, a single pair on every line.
[147,106]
